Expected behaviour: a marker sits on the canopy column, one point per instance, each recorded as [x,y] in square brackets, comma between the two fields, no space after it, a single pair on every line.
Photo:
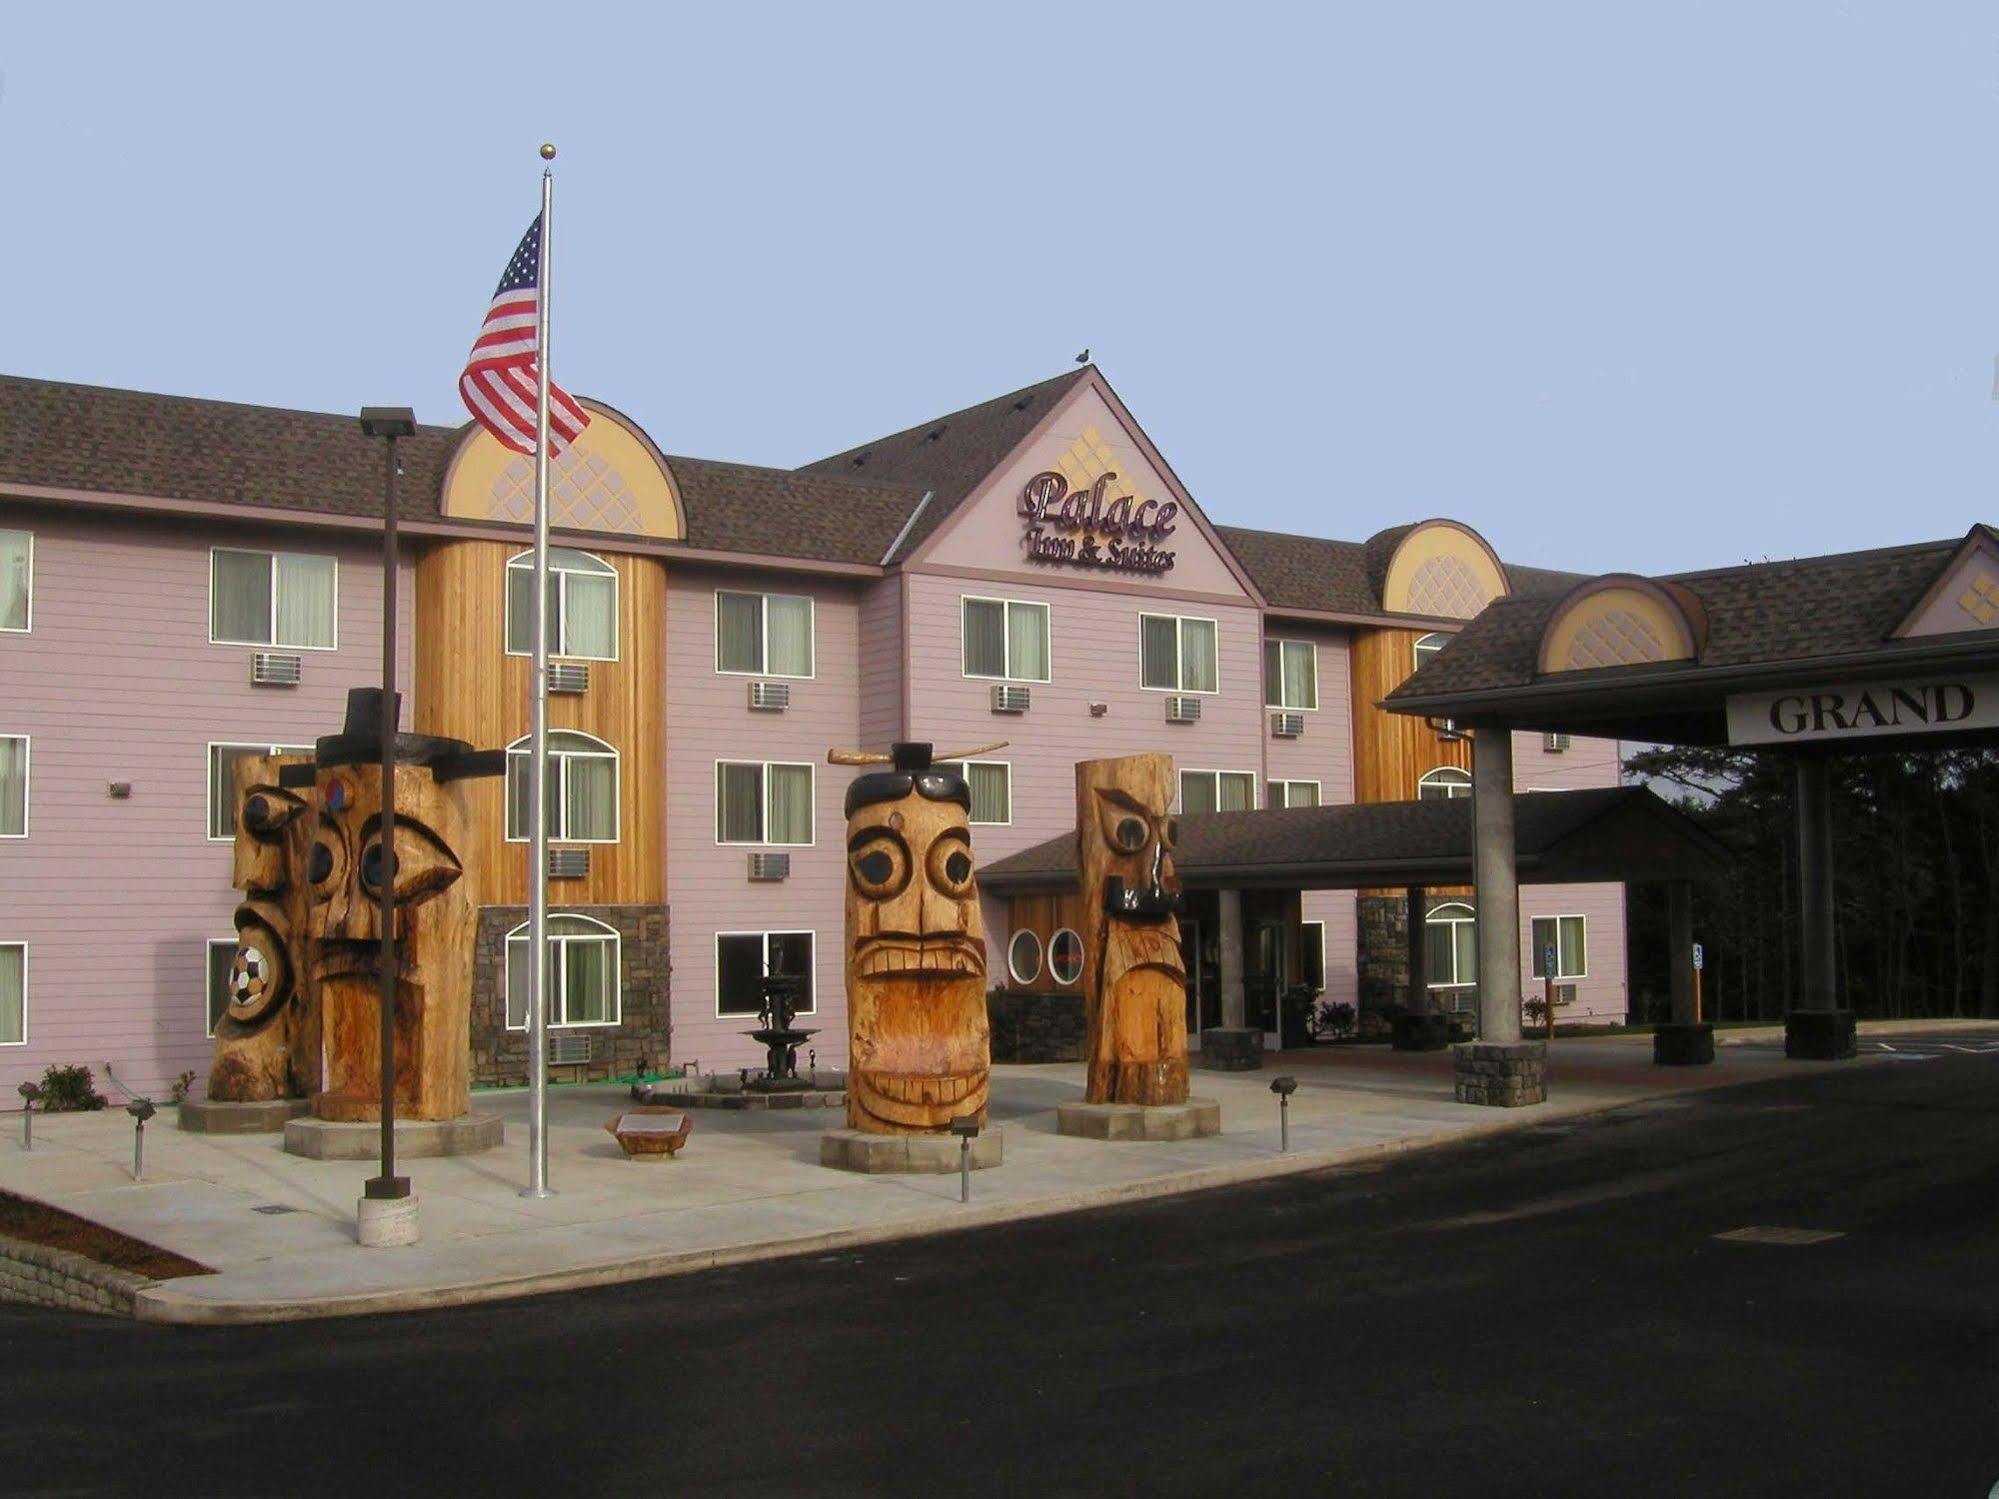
[1683,1041]
[1816,1027]
[1418,1000]
[1498,1068]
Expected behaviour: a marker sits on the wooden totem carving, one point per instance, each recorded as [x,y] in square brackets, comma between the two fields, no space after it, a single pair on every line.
[267,1038]
[919,1044]
[1134,979]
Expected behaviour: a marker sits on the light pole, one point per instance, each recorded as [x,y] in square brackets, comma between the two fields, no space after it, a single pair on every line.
[390,423]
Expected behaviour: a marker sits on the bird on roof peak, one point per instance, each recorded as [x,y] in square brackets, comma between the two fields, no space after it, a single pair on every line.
[1084,357]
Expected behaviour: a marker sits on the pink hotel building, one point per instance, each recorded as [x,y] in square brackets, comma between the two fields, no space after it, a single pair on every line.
[185,580]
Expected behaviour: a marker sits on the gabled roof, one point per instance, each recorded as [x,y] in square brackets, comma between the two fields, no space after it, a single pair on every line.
[734,507]
[1345,577]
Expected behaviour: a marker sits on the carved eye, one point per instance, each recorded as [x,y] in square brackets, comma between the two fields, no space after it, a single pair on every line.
[267,811]
[1129,834]
[371,867]
[951,865]
[323,860]
[422,865]
[1172,832]
[880,865]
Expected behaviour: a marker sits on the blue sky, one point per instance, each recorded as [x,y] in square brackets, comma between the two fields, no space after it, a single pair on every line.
[1643,287]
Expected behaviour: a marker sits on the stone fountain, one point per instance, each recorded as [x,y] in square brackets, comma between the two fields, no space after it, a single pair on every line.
[779,1037]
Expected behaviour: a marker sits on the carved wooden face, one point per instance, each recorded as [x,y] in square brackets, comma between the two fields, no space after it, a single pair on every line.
[919,1054]
[1141,925]
[345,866]
[273,825]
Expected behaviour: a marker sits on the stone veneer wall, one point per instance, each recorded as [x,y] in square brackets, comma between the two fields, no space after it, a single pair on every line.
[38,1276]
[1036,1027]
[500,1056]
[1384,945]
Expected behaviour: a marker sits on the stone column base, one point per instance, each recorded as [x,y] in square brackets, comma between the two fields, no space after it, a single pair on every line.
[214,1116]
[325,1140]
[1231,1048]
[1687,1045]
[385,1222]
[1820,1035]
[859,1150]
[1192,1120]
[1503,1074]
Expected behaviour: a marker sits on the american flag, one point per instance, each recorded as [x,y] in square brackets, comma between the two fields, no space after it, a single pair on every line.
[499,383]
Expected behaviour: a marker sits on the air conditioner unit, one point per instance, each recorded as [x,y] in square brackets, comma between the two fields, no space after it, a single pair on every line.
[569,1051]
[765,868]
[1554,744]
[1010,699]
[1286,725]
[275,669]
[568,676]
[1565,994]
[568,863]
[770,697]
[1183,710]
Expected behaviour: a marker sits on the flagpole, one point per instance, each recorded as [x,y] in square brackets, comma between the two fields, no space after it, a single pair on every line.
[538,769]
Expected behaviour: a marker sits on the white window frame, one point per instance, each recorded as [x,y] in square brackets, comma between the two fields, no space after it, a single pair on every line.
[811,934]
[562,575]
[210,1013]
[1056,936]
[208,775]
[1180,654]
[1179,797]
[28,628]
[1430,981]
[25,1034]
[1534,951]
[1318,792]
[766,595]
[27,787]
[1040,956]
[1421,650]
[1453,771]
[964,767]
[558,1002]
[523,747]
[273,553]
[1305,941]
[812,779]
[1006,636]
[1281,641]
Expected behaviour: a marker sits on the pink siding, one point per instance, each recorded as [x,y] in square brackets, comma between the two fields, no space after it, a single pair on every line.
[708,719]
[1603,995]
[118,682]
[1338,910]
[880,664]
[1324,752]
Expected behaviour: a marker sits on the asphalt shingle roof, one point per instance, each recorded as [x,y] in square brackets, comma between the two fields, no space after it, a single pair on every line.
[1344,577]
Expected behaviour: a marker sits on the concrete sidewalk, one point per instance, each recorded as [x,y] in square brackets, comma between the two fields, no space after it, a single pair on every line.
[748,1185]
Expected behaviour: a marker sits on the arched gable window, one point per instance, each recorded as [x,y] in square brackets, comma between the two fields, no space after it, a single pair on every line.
[582,605]
[1443,784]
[583,965]
[582,795]
[1450,947]
[1427,646]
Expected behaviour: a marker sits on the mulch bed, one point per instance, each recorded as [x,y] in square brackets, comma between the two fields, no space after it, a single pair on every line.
[52,1228]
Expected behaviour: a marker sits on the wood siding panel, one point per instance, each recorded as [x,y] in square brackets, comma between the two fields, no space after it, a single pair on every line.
[1392,751]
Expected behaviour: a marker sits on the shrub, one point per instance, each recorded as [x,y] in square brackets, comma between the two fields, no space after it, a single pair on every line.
[183,1085]
[1334,1020]
[67,1090]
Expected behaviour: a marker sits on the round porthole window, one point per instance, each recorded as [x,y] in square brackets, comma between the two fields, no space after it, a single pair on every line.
[1065,956]
[1023,957]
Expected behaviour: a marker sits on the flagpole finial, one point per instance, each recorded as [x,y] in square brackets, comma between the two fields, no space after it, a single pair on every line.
[547,151]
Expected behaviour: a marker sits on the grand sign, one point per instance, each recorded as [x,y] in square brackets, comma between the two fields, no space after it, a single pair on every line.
[1093,528]
[1865,710]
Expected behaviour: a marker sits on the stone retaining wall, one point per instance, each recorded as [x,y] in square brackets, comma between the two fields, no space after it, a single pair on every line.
[36,1276]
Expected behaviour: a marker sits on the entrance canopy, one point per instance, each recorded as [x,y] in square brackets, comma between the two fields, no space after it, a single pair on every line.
[1616,833]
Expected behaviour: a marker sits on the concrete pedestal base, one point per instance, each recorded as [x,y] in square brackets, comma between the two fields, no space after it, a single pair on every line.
[857,1150]
[325,1140]
[1820,1035]
[1503,1074]
[385,1222]
[212,1116]
[1231,1048]
[1191,1120]
[1683,1045]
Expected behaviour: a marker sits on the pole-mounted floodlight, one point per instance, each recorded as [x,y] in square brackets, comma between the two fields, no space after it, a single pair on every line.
[1284,1087]
[30,1094]
[388,423]
[966,1128]
[141,1109]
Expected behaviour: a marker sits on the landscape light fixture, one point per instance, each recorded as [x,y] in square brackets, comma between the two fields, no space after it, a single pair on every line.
[1283,1087]
[141,1109]
[965,1127]
[29,1092]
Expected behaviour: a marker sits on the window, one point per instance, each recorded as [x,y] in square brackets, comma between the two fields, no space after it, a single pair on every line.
[17,580]
[1290,674]
[1065,957]
[1427,646]
[1450,947]
[1005,638]
[271,598]
[762,803]
[1217,791]
[1291,793]
[222,760]
[1445,783]
[582,987]
[992,787]
[13,993]
[1312,955]
[221,960]
[581,798]
[1569,937]
[763,634]
[1176,654]
[13,786]
[744,959]
[582,605]
[1023,957]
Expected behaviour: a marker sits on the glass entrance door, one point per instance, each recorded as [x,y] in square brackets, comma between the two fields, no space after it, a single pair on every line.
[1264,976]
